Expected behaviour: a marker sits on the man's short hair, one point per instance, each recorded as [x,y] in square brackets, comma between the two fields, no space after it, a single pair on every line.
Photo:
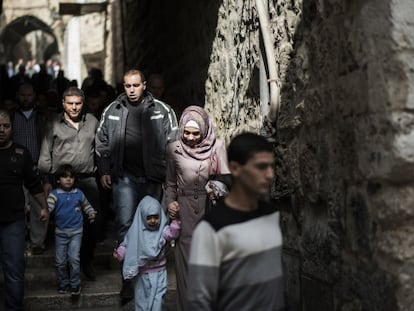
[74,91]
[132,72]
[7,113]
[245,145]
[25,84]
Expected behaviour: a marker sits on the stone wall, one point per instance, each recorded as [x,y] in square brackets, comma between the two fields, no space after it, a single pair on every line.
[343,141]
[343,136]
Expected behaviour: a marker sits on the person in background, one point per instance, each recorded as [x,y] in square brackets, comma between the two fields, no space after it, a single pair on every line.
[30,68]
[156,86]
[191,160]
[28,130]
[236,252]
[67,204]
[41,81]
[19,62]
[16,170]
[130,147]
[70,138]
[18,79]
[60,83]
[5,95]
[143,252]
[10,69]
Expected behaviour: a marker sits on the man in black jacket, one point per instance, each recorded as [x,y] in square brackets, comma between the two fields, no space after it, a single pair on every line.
[130,146]
[16,170]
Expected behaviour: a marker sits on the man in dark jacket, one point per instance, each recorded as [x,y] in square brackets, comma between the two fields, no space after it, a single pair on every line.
[130,145]
[16,170]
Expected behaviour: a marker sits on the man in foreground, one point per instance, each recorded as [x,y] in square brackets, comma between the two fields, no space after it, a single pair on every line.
[16,170]
[235,257]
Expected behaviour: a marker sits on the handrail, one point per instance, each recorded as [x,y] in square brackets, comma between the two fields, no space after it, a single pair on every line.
[271,61]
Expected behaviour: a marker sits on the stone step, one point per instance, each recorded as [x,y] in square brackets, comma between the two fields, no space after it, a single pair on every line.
[41,291]
[102,294]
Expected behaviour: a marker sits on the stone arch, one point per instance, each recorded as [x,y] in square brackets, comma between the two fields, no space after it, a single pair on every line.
[19,28]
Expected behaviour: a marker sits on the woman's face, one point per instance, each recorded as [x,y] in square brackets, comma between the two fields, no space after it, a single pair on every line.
[191,136]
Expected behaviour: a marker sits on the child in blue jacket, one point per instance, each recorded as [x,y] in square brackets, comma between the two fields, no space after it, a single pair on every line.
[68,204]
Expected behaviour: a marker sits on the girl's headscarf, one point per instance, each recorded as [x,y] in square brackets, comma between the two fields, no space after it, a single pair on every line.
[204,149]
[143,243]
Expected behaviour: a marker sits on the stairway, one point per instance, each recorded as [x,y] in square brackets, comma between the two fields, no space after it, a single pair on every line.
[102,294]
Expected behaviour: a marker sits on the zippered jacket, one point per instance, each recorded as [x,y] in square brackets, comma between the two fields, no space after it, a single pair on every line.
[159,127]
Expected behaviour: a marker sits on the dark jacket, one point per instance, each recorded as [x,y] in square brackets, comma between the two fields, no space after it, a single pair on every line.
[159,127]
[16,170]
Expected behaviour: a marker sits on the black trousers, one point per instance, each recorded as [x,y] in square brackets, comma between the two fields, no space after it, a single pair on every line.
[89,187]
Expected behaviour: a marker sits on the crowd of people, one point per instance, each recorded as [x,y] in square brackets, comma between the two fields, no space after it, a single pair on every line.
[75,156]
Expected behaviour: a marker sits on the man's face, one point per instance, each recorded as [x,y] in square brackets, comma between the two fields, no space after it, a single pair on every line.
[72,105]
[256,175]
[26,97]
[134,88]
[5,130]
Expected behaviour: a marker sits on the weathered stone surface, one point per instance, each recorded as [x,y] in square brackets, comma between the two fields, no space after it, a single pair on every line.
[343,140]
[343,137]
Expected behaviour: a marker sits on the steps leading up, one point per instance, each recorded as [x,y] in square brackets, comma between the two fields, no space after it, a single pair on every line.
[102,294]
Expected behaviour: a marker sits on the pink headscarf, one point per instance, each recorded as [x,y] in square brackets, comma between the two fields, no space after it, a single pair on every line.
[204,149]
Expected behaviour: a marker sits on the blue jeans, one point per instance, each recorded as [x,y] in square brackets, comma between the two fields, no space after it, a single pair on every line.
[127,192]
[68,244]
[12,245]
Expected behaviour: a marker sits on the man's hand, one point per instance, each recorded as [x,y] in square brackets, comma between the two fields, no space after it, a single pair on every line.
[47,187]
[44,215]
[106,181]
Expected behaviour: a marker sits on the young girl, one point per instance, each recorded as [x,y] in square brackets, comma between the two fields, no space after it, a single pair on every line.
[143,252]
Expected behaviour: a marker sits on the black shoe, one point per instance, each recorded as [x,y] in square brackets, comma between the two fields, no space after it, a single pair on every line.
[37,250]
[89,272]
[75,291]
[63,289]
[126,293]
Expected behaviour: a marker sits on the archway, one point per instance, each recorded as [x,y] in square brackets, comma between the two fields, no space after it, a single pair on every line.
[19,28]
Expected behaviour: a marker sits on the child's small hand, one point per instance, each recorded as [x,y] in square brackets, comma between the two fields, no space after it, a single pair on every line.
[116,255]
[119,253]
[91,217]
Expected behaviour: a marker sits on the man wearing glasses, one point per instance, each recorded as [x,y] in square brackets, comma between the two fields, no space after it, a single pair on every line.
[130,146]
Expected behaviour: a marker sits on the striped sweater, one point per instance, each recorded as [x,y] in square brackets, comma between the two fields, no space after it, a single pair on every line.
[235,261]
[68,208]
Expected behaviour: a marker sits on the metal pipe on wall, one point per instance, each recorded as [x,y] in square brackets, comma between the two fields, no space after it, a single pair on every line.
[271,60]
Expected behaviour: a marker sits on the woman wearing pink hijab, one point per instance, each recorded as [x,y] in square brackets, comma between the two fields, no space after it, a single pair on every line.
[191,160]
